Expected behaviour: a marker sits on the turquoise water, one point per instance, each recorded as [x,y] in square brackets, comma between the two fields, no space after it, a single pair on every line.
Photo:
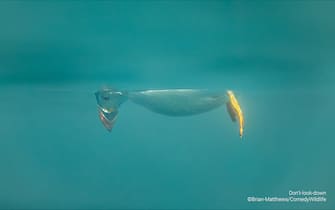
[278,57]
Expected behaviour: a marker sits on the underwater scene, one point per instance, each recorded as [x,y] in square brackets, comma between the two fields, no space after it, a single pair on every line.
[167,104]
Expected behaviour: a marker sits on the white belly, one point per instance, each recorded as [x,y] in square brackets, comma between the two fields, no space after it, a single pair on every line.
[178,102]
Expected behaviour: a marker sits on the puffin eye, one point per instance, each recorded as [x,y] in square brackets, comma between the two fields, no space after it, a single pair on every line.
[105,97]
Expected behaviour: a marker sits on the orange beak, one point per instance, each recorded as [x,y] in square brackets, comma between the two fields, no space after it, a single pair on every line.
[108,118]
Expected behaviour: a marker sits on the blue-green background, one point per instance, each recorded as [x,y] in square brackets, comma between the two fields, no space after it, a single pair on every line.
[278,57]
